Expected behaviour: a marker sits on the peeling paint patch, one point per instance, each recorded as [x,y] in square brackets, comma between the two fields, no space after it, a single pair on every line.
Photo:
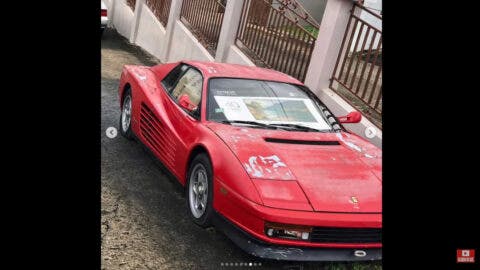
[247,167]
[211,70]
[236,139]
[273,160]
[353,146]
[268,167]
[349,144]
[257,170]
[141,77]
[288,175]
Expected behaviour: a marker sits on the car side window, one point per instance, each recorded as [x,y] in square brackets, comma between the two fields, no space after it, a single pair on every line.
[190,84]
[171,79]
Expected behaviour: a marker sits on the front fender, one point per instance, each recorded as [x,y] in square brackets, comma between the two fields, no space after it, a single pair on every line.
[227,168]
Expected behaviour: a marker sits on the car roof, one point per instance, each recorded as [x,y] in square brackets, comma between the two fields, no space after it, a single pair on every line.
[215,69]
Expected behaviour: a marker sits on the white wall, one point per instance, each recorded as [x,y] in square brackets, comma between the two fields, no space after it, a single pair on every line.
[186,47]
[235,56]
[122,17]
[108,3]
[151,34]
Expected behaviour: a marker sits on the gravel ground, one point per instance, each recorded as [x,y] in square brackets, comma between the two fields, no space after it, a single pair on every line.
[144,218]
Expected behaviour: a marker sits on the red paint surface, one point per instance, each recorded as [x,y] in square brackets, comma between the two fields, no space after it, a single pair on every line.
[288,183]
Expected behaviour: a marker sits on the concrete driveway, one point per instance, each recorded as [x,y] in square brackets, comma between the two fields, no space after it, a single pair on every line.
[144,216]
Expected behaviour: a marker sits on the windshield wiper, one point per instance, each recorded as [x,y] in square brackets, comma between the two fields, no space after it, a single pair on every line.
[299,127]
[252,123]
[274,126]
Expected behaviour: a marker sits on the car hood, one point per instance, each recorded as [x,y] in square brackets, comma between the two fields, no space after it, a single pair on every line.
[338,172]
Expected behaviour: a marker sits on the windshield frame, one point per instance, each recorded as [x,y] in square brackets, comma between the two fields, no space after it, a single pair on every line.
[300,87]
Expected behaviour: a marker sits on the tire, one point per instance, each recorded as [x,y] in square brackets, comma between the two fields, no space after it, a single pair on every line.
[125,126]
[200,206]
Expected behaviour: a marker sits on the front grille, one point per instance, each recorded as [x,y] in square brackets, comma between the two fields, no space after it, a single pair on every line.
[346,235]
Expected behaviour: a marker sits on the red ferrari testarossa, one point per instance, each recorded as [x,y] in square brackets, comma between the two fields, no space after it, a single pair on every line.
[260,157]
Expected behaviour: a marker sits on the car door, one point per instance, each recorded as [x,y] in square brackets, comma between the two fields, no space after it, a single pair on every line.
[183,123]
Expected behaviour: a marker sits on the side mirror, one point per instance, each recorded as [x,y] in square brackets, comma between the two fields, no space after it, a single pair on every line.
[352,117]
[185,103]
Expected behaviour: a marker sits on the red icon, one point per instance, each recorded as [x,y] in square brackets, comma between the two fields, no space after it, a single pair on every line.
[465,255]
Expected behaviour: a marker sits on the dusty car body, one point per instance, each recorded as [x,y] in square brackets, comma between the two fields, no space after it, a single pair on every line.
[288,192]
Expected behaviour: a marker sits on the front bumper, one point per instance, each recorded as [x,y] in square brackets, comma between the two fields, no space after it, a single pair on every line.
[259,248]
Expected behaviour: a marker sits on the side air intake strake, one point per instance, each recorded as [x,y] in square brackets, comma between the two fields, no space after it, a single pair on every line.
[275,140]
[157,135]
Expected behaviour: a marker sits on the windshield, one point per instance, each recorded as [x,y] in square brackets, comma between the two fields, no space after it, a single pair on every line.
[273,103]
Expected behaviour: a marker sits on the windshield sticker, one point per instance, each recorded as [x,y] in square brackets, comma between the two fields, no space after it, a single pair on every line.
[233,106]
[279,110]
[271,110]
